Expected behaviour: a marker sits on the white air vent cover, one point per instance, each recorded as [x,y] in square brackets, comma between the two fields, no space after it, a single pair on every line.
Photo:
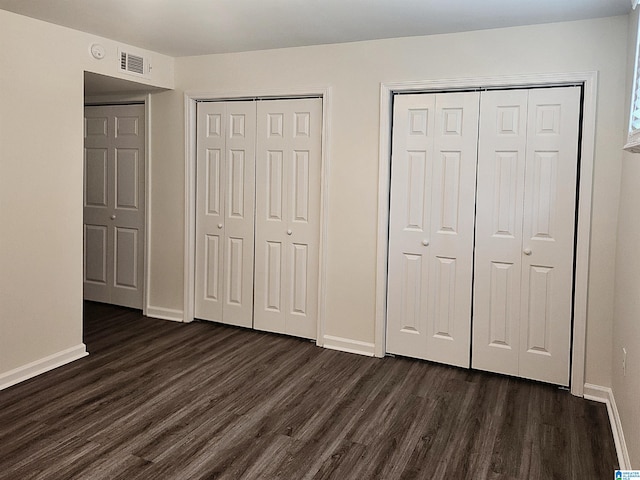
[131,63]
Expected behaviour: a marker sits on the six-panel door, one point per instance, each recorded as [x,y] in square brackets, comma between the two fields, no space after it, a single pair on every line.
[527,169]
[225,212]
[433,175]
[288,160]
[114,156]
[524,218]
[498,250]
[524,231]
[258,214]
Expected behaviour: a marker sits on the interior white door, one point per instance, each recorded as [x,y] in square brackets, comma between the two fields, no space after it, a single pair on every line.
[225,188]
[498,250]
[525,232]
[114,142]
[433,175]
[288,167]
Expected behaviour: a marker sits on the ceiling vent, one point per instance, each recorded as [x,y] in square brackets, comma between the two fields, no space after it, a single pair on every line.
[131,63]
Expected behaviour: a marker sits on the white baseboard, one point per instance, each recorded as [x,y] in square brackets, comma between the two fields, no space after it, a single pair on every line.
[41,366]
[165,313]
[348,345]
[605,395]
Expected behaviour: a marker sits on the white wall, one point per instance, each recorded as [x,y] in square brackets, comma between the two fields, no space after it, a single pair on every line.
[626,327]
[41,99]
[41,139]
[354,72]
[41,162]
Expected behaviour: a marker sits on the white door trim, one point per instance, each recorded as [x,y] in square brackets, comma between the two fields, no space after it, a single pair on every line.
[190,101]
[583,231]
[146,273]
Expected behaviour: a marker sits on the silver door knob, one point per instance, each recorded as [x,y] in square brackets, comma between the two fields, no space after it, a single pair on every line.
[289,232]
[219,225]
[113,217]
[425,242]
[527,251]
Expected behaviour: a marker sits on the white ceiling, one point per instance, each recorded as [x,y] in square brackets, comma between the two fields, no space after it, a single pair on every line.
[196,27]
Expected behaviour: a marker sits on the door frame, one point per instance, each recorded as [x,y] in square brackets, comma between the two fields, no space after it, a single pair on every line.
[589,81]
[191,100]
[141,99]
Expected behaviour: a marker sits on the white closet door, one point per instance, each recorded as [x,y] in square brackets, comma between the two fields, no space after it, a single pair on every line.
[548,234]
[523,300]
[225,212]
[210,172]
[500,197]
[114,142]
[288,166]
[433,174]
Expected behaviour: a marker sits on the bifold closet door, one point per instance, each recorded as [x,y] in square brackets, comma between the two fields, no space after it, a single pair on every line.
[225,211]
[433,177]
[114,187]
[288,166]
[525,225]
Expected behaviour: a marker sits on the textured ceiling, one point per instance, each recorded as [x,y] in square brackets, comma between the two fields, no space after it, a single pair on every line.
[196,27]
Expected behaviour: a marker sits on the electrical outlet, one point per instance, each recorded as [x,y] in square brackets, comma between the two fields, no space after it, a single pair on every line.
[624,362]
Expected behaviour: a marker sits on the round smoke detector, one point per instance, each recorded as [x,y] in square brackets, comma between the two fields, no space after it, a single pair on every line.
[97,51]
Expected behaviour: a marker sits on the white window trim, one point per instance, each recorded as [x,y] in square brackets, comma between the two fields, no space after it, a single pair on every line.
[633,139]
[633,142]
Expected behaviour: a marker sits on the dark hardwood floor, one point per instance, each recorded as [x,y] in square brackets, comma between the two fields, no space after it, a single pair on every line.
[162,400]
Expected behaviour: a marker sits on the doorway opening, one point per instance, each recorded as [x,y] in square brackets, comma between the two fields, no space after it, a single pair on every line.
[131,171]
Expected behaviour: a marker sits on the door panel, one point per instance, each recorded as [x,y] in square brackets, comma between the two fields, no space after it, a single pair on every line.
[410,224]
[526,201]
[225,212]
[300,277]
[288,161]
[433,175]
[412,319]
[524,213]
[449,207]
[239,213]
[126,261]
[213,179]
[234,271]
[210,173]
[236,187]
[127,125]
[502,309]
[548,234]
[499,217]
[95,265]
[274,186]
[127,168]
[301,181]
[444,318]
[273,277]
[212,268]
[114,204]
[453,204]
[96,181]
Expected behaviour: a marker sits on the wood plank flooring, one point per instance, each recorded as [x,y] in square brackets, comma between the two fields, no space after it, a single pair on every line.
[163,400]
